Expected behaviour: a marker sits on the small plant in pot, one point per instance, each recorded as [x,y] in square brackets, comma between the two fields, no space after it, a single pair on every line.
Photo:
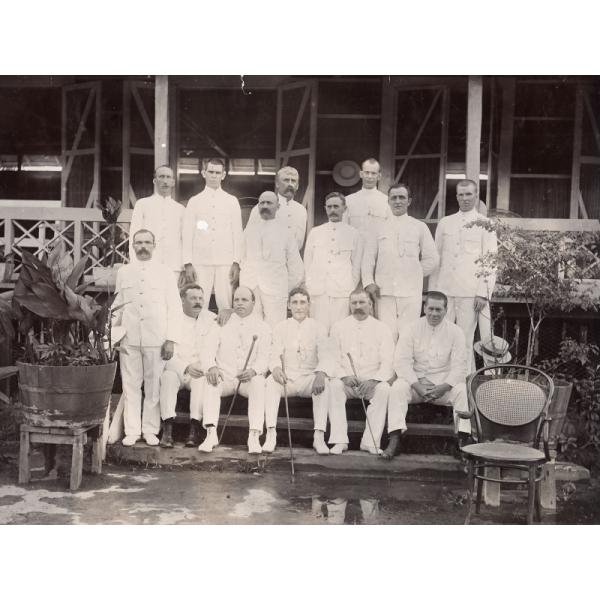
[65,356]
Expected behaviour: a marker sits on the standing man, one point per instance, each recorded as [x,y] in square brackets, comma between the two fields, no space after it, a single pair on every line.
[396,260]
[332,261]
[459,246]
[371,346]
[212,237]
[304,344]
[185,368]
[291,214]
[163,216]
[368,208]
[150,311]
[224,355]
[430,363]
[271,263]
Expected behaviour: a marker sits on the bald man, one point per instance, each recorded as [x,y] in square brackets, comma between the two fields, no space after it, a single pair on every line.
[291,214]
[271,265]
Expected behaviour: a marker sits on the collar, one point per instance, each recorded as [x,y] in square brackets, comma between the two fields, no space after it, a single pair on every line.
[471,215]
[283,200]
[403,217]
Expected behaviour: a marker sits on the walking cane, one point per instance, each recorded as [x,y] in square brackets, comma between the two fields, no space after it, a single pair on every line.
[237,389]
[362,399]
[287,414]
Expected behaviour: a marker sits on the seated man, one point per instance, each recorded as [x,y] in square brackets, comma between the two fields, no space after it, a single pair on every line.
[184,370]
[304,344]
[371,346]
[431,366]
[224,356]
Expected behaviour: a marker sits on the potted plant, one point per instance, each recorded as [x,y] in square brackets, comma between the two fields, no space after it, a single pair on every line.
[106,276]
[65,357]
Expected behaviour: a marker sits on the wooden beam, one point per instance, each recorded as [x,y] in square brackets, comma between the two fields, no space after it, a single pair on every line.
[474,117]
[96,191]
[309,199]
[441,195]
[490,159]
[126,138]
[161,120]
[576,164]
[506,142]
[387,135]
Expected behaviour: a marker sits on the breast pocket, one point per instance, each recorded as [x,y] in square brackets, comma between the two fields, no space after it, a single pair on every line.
[471,242]
[410,246]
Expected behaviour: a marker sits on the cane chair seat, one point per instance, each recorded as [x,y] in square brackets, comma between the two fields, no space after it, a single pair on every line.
[510,401]
[502,451]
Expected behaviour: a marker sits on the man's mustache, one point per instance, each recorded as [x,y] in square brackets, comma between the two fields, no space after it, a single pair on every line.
[359,311]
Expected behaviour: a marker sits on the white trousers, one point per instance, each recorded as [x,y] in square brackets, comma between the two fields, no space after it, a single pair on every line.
[398,312]
[215,278]
[402,394]
[376,412]
[172,380]
[462,312]
[330,403]
[141,365]
[272,309]
[328,310]
[254,390]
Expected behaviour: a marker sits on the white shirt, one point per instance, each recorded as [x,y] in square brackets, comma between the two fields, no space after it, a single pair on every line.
[290,214]
[459,247]
[305,346]
[437,353]
[369,342]
[227,347]
[164,218]
[150,305]
[212,229]
[367,210]
[270,259]
[193,336]
[332,259]
[399,257]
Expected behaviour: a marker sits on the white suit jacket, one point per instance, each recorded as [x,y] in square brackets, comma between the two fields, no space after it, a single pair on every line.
[290,214]
[367,210]
[437,353]
[369,342]
[212,229]
[305,346]
[164,218]
[399,257]
[227,347]
[193,337]
[459,247]
[332,259]
[151,311]
[270,259]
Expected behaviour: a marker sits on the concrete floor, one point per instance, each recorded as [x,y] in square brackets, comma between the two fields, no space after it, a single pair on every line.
[235,490]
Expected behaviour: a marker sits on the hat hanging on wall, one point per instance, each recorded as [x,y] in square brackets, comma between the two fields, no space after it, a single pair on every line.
[346,173]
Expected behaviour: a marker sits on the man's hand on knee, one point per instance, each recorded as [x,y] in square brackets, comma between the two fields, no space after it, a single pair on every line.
[318,386]
[194,370]
[279,376]
[213,376]
[367,388]
[246,375]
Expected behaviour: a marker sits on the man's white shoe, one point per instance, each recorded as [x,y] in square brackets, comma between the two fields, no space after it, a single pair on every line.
[319,442]
[338,449]
[210,441]
[270,441]
[151,439]
[253,443]
[371,450]
[129,440]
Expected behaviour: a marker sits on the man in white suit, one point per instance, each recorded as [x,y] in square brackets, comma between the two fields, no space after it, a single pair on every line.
[309,367]
[150,312]
[271,264]
[185,368]
[291,215]
[224,357]
[212,237]
[459,245]
[368,208]
[332,261]
[163,216]
[396,260]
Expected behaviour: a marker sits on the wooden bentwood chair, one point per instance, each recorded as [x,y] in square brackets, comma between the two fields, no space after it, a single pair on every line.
[509,405]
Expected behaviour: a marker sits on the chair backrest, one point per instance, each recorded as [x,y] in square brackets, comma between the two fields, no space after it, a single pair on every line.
[509,402]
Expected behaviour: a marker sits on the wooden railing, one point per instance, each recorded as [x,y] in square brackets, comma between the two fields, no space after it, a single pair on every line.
[83,231]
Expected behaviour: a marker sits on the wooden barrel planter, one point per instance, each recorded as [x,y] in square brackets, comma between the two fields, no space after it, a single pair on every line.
[558,408]
[65,396]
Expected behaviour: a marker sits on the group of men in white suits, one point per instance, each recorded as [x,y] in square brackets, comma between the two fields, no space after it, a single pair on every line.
[332,347]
